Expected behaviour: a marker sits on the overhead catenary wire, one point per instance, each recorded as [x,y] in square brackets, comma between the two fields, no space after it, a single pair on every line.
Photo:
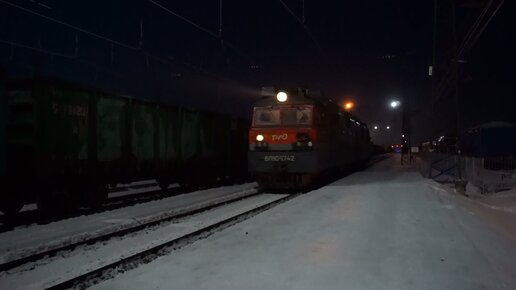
[70,25]
[13,44]
[475,25]
[105,38]
[481,31]
[302,21]
[203,29]
[114,45]
[85,31]
[468,42]
[291,12]
[42,4]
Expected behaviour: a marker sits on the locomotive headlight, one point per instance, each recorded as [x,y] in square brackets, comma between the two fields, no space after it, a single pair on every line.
[259,138]
[281,97]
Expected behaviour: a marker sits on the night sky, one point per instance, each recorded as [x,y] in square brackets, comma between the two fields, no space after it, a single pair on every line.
[367,51]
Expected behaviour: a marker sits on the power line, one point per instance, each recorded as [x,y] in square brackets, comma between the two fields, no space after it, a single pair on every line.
[468,42]
[70,25]
[109,40]
[479,33]
[291,12]
[302,21]
[475,25]
[113,42]
[184,19]
[203,29]
[51,53]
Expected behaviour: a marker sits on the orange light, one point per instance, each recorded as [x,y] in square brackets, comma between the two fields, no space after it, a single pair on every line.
[349,105]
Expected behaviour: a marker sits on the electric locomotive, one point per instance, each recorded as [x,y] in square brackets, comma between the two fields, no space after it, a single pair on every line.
[298,135]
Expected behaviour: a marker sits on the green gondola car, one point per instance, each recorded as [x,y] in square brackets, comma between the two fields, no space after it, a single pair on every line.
[168,120]
[67,143]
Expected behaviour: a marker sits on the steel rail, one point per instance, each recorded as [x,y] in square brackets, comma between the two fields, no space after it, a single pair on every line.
[121,232]
[153,253]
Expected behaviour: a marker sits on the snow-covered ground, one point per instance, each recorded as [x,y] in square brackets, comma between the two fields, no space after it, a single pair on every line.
[497,209]
[384,228]
[37,238]
[51,271]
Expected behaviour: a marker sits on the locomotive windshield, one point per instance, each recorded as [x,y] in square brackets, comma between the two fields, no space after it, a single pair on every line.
[288,116]
[267,117]
[296,116]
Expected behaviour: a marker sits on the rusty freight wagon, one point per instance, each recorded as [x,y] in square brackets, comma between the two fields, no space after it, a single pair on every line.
[64,144]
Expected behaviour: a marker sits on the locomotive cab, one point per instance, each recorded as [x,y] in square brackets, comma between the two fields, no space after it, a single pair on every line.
[296,136]
[282,140]
[283,127]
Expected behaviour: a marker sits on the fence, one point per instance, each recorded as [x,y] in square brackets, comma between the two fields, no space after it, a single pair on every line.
[441,167]
[490,174]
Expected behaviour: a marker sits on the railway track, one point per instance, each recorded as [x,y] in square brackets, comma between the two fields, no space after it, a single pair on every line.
[68,246]
[107,267]
[223,214]
[119,197]
[105,272]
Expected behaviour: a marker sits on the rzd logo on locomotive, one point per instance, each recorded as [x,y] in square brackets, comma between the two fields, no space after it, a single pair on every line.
[283,136]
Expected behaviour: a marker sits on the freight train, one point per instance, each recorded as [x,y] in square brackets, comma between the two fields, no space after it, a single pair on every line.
[62,145]
[297,136]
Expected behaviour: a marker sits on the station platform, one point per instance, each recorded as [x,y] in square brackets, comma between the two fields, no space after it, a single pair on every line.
[386,227]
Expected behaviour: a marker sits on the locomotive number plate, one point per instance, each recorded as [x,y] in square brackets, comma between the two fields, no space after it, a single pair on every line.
[289,158]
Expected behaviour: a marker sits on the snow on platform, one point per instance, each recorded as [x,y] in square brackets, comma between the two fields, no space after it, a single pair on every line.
[384,228]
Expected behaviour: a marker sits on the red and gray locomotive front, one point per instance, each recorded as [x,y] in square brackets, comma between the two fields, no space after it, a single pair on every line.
[283,140]
[298,135]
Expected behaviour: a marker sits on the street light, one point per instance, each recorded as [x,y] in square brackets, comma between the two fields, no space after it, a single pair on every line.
[349,105]
[376,127]
[388,127]
[395,104]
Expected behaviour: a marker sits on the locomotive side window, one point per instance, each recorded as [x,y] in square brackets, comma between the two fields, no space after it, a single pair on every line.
[266,117]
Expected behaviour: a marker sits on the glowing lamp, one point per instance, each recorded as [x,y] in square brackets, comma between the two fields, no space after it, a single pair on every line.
[395,104]
[281,97]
